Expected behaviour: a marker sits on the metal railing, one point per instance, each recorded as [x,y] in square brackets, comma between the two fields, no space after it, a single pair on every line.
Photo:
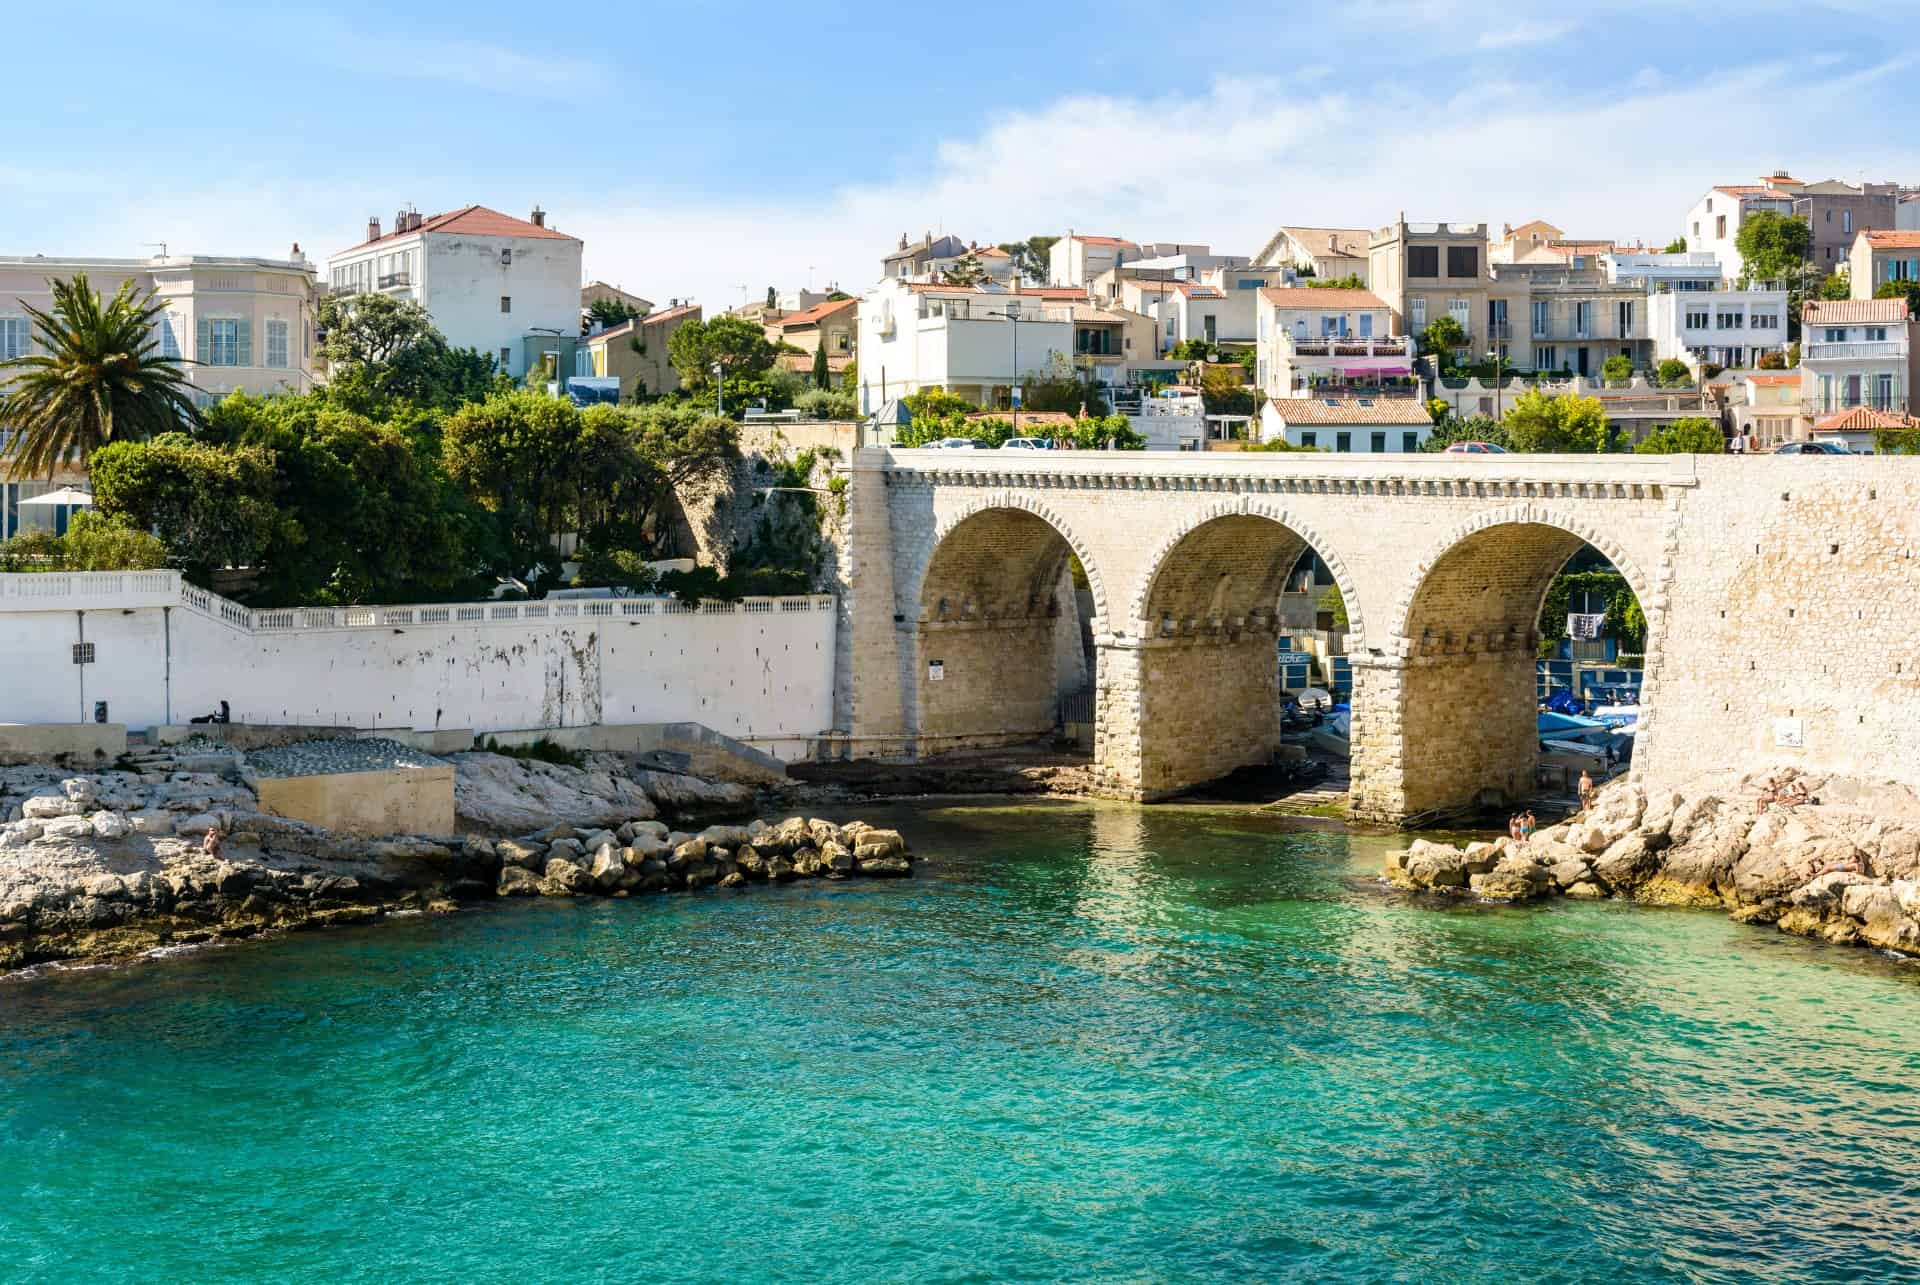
[117,590]
[1337,346]
[1865,348]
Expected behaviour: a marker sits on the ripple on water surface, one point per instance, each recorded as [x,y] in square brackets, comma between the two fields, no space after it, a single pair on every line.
[1090,1043]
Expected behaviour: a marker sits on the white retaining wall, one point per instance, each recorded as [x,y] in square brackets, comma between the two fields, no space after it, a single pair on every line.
[165,650]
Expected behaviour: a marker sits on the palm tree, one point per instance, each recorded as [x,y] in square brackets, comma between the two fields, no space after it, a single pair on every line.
[98,377]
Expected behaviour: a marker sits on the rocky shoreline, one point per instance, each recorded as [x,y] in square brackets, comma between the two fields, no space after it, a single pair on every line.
[113,864]
[1823,857]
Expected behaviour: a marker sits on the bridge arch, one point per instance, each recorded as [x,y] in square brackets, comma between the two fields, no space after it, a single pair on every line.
[1200,679]
[1465,639]
[997,622]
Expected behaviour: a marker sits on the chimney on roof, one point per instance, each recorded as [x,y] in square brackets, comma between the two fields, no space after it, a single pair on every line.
[539,217]
[295,255]
[903,240]
[373,227]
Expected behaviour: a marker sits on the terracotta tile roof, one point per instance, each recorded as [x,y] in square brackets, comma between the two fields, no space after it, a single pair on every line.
[1307,297]
[1102,240]
[1861,419]
[803,361]
[1195,290]
[1773,380]
[989,252]
[941,287]
[1840,312]
[1351,410]
[475,220]
[1090,312]
[1886,240]
[1028,418]
[815,315]
[1074,293]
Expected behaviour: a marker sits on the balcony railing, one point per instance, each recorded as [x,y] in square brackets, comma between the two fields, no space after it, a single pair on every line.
[968,310]
[392,279]
[1853,351]
[1499,330]
[1837,404]
[1335,346]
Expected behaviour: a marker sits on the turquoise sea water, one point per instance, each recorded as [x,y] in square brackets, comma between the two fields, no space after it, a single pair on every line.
[1084,1044]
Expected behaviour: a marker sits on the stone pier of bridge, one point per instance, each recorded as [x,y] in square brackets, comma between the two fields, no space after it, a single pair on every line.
[965,572]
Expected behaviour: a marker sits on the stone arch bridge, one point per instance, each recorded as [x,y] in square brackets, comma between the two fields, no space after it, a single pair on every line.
[958,581]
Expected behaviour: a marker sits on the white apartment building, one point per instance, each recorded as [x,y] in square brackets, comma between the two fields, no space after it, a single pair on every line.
[1856,352]
[1692,314]
[1319,341]
[1328,253]
[488,280]
[1075,260]
[1714,221]
[964,339]
[239,324]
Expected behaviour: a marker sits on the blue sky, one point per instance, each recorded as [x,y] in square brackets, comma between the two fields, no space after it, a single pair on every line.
[698,149]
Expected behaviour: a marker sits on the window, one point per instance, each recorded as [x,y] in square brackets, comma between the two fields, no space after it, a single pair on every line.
[1207,326]
[169,337]
[222,342]
[1459,310]
[1540,318]
[1698,319]
[1764,321]
[1379,443]
[1883,392]
[16,336]
[1729,321]
[1583,319]
[1835,335]
[1343,441]
[506,359]
[1463,260]
[1546,357]
[1410,443]
[1720,228]
[1623,317]
[1309,439]
[1696,229]
[1366,325]
[1846,221]
[1876,334]
[506,303]
[1423,260]
[1417,316]
[1248,283]
[277,343]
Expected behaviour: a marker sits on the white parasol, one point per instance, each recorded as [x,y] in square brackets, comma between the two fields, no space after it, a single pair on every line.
[66,495]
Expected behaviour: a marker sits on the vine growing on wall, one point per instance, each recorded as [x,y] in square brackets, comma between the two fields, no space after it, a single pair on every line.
[1625,620]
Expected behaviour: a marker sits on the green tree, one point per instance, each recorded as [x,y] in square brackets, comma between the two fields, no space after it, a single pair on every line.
[1061,388]
[608,312]
[381,350]
[1442,336]
[740,349]
[773,297]
[1472,428]
[1908,290]
[965,271]
[1539,423]
[1101,432]
[1837,286]
[1030,257]
[98,377]
[1617,369]
[1676,246]
[822,375]
[827,403]
[1673,373]
[1772,246]
[1693,435]
[937,403]
[1349,282]
[212,506]
[1897,441]
[92,543]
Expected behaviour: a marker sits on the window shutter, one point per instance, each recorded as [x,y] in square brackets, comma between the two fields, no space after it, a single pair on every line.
[202,350]
[243,343]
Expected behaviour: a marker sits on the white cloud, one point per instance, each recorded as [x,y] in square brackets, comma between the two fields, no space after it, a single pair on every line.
[1523,33]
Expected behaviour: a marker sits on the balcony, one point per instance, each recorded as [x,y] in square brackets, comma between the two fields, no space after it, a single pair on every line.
[1867,350]
[1336,346]
[392,279]
[1500,331]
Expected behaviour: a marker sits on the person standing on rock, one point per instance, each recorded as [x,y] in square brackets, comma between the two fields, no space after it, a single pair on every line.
[1586,789]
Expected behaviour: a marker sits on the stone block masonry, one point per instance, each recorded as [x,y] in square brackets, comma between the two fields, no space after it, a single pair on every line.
[162,650]
[1775,590]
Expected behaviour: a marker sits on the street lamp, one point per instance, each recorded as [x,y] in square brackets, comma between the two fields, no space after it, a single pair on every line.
[1013,392]
[1498,354]
[719,390]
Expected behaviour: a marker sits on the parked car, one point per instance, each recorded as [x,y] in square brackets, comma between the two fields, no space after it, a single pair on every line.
[1811,448]
[1026,444]
[959,444]
[1475,448]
